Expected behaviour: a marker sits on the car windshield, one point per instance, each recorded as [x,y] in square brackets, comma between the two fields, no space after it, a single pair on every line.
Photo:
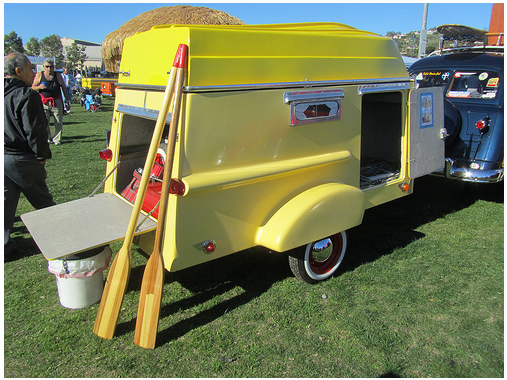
[477,84]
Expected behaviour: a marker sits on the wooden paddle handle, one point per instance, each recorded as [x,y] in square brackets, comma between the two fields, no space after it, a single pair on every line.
[153,278]
[179,60]
[173,131]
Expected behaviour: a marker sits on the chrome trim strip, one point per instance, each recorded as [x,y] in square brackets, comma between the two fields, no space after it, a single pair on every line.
[145,113]
[313,96]
[365,89]
[267,86]
[306,84]
[144,87]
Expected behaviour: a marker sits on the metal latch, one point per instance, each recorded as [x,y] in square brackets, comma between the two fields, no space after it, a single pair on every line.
[125,73]
[443,134]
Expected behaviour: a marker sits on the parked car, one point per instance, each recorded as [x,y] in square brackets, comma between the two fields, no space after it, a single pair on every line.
[472,81]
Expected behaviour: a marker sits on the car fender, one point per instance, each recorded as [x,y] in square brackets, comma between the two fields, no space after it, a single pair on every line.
[316,213]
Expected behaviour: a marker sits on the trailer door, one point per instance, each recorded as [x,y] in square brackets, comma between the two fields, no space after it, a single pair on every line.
[426,131]
[80,225]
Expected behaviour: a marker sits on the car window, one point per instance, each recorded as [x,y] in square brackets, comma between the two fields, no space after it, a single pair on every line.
[432,78]
[477,84]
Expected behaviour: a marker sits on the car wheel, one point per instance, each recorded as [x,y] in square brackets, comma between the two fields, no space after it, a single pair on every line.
[319,260]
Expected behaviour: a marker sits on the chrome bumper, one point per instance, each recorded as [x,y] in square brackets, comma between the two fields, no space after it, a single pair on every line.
[470,175]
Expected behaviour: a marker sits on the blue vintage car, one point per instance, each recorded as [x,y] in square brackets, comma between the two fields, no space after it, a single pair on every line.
[472,81]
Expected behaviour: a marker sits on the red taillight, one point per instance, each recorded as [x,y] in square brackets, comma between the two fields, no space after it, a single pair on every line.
[209,246]
[176,187]
[482,125]
[106,154]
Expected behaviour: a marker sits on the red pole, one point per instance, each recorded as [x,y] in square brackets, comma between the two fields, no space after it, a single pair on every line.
[495,34]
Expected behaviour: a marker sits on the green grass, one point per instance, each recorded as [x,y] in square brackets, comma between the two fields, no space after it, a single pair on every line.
[420,295]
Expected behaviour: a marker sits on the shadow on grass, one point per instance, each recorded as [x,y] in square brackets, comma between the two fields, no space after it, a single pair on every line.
[393,225]
[82,138]
[389,375]
[254,270]
[384,228]
[69,123]
[104,108]
[25,245]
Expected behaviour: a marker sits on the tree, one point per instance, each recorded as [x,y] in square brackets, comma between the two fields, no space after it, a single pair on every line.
[433,41]
[392,33]
[75,56]
[13,43]
[33,47]
[51,46]
[403,44]
[408,43]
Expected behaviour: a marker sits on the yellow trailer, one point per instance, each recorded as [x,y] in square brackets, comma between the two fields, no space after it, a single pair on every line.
[287,134]
[94,83]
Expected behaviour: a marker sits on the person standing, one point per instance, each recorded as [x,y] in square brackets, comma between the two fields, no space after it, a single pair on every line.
[70,83]
[26,147]
[50,86]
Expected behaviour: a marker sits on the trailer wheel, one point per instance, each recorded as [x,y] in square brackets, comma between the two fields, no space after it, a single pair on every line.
[319,260]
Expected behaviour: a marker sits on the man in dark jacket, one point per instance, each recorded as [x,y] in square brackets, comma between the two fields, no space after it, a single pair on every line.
[26,146]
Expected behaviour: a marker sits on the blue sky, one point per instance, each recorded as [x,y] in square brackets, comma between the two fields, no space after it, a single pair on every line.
[92,21]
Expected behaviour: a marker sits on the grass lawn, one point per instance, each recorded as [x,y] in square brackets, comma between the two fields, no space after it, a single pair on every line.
[420,294]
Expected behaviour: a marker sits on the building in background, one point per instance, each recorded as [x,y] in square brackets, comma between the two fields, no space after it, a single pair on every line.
[38,62]
[92,50]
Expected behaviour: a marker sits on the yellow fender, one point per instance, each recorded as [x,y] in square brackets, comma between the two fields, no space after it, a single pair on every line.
[312,215]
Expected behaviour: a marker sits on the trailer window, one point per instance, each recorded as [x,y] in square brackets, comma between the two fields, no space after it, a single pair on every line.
[305,112]
[314,106]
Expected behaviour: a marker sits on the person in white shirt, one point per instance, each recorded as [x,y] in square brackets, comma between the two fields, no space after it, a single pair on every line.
[69,81]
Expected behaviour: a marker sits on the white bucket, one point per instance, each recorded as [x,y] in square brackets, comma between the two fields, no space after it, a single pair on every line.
[79,278]
[77,293]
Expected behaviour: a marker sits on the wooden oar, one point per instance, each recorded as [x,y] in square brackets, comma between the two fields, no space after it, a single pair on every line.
[153,278]
[119,272]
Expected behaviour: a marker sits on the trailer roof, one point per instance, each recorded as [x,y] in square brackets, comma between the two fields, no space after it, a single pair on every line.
[246,54]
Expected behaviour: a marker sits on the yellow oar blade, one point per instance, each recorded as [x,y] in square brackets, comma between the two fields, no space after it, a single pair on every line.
[114,290]
[149,302]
